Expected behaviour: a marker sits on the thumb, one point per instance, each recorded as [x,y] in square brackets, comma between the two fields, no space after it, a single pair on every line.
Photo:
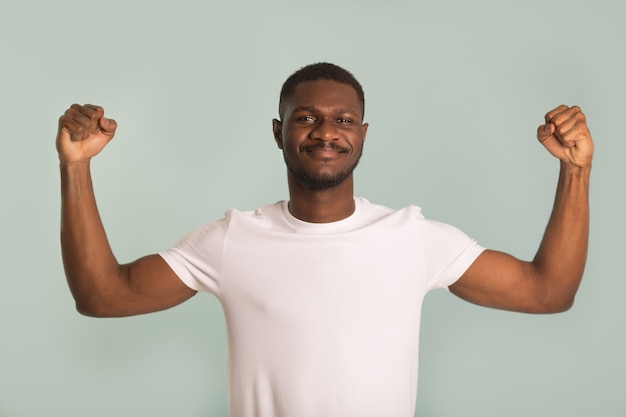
[545,131]
[546,135]
[107,126]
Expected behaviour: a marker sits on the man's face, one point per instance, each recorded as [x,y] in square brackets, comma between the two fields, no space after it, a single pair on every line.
[321,133]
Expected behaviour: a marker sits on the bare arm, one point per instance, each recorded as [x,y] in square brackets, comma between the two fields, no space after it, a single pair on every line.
[100,285]
[549,283]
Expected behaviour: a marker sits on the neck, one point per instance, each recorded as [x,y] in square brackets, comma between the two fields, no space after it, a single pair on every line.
[321,206]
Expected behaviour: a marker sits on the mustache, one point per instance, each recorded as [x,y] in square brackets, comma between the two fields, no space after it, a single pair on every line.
[327,146]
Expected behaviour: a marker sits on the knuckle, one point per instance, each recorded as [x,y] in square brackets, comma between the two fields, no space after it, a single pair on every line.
[66,121]
[89,112]
[93,110]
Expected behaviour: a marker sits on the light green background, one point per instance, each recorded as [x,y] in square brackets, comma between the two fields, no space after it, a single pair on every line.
[454,91]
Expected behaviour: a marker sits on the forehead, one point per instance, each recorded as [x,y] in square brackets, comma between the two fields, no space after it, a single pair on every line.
[323,94]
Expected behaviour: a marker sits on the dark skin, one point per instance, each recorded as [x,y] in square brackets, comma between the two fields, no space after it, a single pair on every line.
[320,112]
[548,283]
[100,285]
[317,114]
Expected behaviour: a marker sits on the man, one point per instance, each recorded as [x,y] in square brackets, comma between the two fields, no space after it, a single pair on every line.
[322,294]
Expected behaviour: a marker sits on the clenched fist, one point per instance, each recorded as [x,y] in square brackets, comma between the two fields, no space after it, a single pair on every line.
[83,133]
[566,136]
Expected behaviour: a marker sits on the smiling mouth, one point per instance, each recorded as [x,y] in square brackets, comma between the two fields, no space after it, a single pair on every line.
[325,147]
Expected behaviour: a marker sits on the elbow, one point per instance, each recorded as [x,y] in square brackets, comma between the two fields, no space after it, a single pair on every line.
[560,306]
[555,293]
[85,310]
[92,304]
[91,308]
[94,296]
[554,304]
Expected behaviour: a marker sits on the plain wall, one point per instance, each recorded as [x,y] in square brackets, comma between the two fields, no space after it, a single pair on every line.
[454,93]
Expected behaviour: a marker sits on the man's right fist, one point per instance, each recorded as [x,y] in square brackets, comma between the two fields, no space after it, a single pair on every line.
[83,133]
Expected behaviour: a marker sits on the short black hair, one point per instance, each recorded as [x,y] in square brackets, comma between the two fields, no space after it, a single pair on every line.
[319,71]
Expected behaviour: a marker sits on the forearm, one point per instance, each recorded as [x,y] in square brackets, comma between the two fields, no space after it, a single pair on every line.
[90,267]
[560,261]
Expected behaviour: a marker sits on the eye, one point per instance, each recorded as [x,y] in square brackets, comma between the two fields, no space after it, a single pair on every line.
[306,119]
[344,120]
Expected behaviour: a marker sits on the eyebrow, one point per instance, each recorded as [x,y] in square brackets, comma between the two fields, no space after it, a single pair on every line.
[313,109]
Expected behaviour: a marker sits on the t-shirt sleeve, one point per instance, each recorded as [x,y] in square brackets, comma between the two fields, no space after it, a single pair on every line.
[448,253]
[197,258]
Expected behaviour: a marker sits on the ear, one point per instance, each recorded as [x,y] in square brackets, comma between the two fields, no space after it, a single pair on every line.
[364,126]
[277,127]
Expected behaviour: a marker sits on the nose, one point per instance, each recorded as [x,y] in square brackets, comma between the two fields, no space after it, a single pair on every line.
[325,130]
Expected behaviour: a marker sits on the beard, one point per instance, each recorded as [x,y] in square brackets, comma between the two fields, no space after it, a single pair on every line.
[323,181]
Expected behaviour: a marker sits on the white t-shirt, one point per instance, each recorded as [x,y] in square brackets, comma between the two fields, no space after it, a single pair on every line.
[322,319]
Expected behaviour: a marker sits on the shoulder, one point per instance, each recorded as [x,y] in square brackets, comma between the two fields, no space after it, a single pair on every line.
[377,212]
[268,216]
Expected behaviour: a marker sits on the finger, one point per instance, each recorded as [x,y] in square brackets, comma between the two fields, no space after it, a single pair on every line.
[91,114]
[564,119]
[94,108]
[567,134]
[555,112]
[570,126]
[88,110]
[86,120]
[561,116]
[563,132]
[68,124]
[84,126]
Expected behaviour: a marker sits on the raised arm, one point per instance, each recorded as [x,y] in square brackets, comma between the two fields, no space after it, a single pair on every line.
[100,286]
[549,283]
